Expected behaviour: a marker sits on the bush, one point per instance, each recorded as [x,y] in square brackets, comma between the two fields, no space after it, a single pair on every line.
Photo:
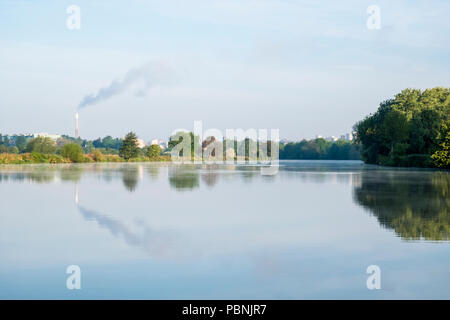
[97,156]
[73,151]
[13,150]
[41,145]
[153,151]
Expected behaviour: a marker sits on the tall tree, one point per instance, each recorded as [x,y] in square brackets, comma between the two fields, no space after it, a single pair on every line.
[129,147]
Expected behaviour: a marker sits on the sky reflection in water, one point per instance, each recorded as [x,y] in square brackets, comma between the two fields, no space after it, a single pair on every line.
[222,231]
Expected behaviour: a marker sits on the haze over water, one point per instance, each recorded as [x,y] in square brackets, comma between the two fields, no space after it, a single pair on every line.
[166,231]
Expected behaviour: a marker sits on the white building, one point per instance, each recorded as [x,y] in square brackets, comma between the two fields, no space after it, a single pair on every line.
[160,143]
[349,136]
[331,139]
[46,135]
[141,143]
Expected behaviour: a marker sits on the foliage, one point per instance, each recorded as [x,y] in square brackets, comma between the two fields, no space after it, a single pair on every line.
[21,143]
[73,151]
[441,158]
[27,158]
[320,149]
[153,151]
[97,156]
[41,145]
[129,147]
[108,143]
[407,130]
[5,149]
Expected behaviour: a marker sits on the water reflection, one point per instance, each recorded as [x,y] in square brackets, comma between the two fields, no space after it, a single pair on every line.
[131,176]
[151,241]
[416,205]
[184,177]
[210,175]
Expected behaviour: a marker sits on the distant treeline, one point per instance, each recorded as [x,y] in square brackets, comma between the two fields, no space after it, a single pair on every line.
[22,150]
[320,149]
[17,144]
[317,149]
[413,129]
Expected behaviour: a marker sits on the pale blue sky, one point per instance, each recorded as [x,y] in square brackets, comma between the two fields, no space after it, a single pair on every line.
[305,67]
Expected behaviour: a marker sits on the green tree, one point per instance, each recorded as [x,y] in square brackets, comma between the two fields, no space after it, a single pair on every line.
[129,147]
[21,143]
[73,151]
[441,158]
[13,150]
[41,145]
[153,151]
[406,130]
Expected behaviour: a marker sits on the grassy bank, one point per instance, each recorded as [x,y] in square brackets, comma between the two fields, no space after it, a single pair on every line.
[30,158]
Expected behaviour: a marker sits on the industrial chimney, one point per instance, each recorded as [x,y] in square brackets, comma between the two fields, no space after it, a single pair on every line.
[76,125]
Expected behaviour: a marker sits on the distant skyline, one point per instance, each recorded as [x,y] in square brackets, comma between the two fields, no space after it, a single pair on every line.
[304,67]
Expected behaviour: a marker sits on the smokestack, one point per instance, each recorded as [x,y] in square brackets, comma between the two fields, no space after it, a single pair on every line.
[76,125]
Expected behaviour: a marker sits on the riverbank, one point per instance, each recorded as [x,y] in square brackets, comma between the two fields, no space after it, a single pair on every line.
[36,158]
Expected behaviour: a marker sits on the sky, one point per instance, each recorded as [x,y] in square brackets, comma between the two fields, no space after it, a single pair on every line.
[303,67]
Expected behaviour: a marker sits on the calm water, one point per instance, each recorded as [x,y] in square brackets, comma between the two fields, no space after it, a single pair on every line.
[162,231]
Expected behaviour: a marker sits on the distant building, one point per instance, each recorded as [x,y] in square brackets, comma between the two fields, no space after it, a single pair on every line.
[141,143]
[349,136]
[331,139]
[46,135]
[319,136]
[163,144]
[160,143]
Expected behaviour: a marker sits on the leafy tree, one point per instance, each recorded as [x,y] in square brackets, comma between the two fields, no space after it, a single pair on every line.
[318,149]
[13,150]
[441,157]
[41,145]
[407,130]
[129,147]
[88,146]
[73,151]
[153,151]
[21,143]
[4,140]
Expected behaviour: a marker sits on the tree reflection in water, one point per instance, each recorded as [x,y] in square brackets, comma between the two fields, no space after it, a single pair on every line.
[415,204]
[184,177]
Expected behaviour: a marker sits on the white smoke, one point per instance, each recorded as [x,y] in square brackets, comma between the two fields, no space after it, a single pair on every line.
[149,75]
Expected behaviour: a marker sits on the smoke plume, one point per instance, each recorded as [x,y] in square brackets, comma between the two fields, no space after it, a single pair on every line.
[148,76]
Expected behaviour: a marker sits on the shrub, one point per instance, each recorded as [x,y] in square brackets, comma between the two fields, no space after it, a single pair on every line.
[41,145]
[97,156]
[13,150]
[153,151]
[73,151]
